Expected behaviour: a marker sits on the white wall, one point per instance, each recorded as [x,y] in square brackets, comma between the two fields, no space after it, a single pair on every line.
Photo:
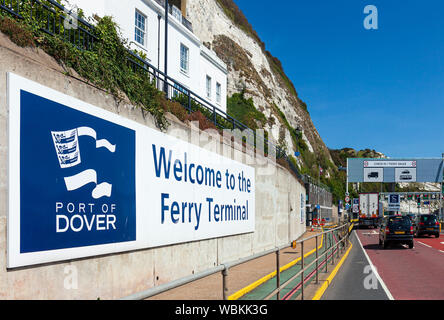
[90,8]
[212,69]
[123,13]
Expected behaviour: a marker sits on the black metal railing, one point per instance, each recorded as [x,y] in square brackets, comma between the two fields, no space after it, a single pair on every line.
[54,19]
[193,102]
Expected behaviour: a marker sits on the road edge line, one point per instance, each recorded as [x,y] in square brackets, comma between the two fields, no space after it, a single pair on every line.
[320,292]
[384,287]
[262,280]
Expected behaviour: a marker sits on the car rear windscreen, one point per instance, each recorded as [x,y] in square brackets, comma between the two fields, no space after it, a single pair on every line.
[399,221]
[431,219]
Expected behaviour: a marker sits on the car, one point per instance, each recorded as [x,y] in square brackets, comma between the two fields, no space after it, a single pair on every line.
[406,175]
[427,224]
[396,229]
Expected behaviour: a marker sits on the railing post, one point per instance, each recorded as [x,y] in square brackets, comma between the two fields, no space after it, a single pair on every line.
[302,269]
[317,263]
[278,275]
[342,238]
[214,116]
[189,103]
[225,284]
[326,252]
[338,245]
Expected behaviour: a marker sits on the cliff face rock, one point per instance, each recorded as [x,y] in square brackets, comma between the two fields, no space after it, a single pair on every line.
[255,71]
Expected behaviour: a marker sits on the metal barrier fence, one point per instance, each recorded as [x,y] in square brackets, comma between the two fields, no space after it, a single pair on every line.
[330,250]
[193,102]
[54,19]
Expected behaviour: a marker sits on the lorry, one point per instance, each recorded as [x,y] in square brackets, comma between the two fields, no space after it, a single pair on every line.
[369,210]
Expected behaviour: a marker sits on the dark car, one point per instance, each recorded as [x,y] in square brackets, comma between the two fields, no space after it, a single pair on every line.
[427,224]
[396,229]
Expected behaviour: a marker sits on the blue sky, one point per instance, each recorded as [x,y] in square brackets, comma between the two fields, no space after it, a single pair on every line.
[379,89]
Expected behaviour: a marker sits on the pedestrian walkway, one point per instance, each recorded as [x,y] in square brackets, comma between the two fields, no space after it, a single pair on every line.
[242,278]
[293,289]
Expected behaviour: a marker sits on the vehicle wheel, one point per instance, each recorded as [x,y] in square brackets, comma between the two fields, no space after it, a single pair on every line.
[380,242]
[437,235]
[411,245]
[384,244]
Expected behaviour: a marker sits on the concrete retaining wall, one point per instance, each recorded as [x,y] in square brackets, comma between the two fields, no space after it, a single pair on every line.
[114,276]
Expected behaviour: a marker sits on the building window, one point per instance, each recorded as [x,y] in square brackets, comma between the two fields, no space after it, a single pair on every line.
[184,58]
[218,92]
[140,30]
[208,87]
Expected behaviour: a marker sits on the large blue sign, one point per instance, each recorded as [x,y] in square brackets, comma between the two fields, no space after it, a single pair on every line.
[77,178]
[73,191]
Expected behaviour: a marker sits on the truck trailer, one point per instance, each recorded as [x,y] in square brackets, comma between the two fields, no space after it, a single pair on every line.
[369,210]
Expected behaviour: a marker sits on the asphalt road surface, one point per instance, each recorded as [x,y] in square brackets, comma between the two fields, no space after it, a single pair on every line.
[352,282]
[402,273]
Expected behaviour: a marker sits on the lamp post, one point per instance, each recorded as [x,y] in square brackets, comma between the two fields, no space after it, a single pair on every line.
[166,48]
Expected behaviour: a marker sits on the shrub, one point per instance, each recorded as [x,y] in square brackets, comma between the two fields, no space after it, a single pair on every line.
[177,109]
[105,65]
[18,33]
[204,123]
[244,111]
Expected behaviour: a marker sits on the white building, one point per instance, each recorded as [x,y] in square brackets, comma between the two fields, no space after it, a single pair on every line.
[142,23]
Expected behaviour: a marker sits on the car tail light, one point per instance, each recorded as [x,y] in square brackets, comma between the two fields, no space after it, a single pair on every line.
[387,230]
[421,223]
[437,223]
[411,230]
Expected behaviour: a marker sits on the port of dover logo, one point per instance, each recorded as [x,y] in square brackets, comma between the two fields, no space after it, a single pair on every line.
[80,190]
[67,147]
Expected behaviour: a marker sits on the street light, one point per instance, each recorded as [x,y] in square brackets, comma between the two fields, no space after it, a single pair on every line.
[166,48]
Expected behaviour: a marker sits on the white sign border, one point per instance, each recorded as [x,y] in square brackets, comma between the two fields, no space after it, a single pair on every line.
[16,259]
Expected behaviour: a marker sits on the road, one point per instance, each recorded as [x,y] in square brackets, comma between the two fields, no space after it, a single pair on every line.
[404,274]
[349,282]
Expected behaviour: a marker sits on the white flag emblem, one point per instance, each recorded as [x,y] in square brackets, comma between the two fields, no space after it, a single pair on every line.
[67,148]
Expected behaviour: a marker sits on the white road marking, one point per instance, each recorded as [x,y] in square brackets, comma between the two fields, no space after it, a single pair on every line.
[441,251]
[387,292]
[424,244]
[372,233]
